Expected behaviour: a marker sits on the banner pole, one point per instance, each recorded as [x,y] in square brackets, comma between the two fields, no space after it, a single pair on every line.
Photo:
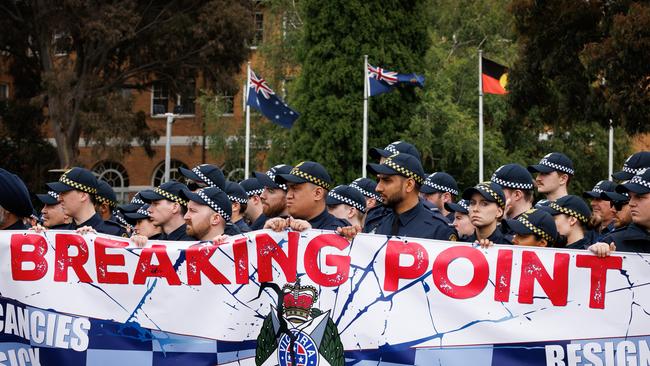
[480,115]
[364,150]
[248,123]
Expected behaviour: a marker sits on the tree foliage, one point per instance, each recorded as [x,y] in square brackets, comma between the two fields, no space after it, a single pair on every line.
[328,90]
[76,57]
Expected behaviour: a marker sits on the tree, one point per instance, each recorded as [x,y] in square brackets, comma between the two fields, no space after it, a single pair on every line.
[77,56]
[329,87]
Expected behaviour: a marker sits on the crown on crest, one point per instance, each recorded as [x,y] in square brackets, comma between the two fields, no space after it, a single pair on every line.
[298,301]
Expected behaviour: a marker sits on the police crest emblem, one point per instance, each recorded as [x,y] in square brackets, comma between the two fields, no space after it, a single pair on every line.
[297,334]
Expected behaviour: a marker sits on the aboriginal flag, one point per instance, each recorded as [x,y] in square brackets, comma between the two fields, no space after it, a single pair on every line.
[495,77]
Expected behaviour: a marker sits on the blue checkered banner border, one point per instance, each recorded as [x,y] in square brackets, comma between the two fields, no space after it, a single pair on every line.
[314,298]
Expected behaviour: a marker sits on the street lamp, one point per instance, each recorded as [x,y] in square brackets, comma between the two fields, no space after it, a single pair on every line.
[168,145]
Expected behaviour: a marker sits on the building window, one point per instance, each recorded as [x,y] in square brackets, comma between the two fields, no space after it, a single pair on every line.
[62,43]
[174,174]
[187,98]
[226,104]
[162,102]
[258,28]
[159,98]
[4,92]
[116,176]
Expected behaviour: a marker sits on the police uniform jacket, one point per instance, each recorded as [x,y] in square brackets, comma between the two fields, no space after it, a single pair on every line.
[231,229]
[243,227]
[583,243]
[418,222]
[259,223]
[18,225]
[497,237]
[177,235]
[630,239]
[327,221]
[100,226]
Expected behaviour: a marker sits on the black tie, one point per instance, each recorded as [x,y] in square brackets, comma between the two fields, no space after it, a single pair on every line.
[395,229]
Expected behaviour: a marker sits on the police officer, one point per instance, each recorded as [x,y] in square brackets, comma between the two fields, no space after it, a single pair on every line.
[167,210]
[517,184]
[307,186]
[347,203]
[486,207]
[462,223]
[14,202]
[400,177]
[135,203]
[274,196]
[554,173]
[571,214]
[106,206]
[53,216]
[533,228]
[239,200]
[143,224]
[254,209]
[633,165]
[619,201]
[602,220]
[368,188]
[204,175]
[636,237]
[77,189]
[440,188]
[209,209]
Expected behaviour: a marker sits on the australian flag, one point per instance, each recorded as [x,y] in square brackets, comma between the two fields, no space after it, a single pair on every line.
[263,98]
[382,81]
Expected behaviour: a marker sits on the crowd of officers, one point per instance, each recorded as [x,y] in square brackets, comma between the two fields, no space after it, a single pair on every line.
[402,201]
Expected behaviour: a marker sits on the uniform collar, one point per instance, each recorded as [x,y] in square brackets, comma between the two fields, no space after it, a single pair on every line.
[18,225]
[635,232]
[259,223]
[319,220]
[177,234]
[94,221]
[409,215]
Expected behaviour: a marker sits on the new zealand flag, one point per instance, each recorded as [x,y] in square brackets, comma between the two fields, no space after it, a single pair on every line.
[264,99]
[382,81]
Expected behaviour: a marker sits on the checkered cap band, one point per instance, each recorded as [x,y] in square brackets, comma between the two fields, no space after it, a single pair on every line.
[213,205]
[310,178]
[537,231]
[255,192]
[391,148]
[440,188]
[570,212]
[143,211]
[403,171]
[237,199]
[136,200]
[271,174]
[347,201]
[513,185]
[170,196]
[627,169]
[559,167]
[53,194]
[78,186]
[463,204]
[205,179]
[486,188]
[121,219]
[102,199]
[638,180]
[366,193]
[597,190]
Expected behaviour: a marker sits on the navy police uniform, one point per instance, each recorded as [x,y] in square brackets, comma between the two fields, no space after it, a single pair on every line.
[218,201]
[633,238]
[418,221]
[237,194]
[170,191]
[314,173]
[253,187]
[492,192]
[573,206]
[440,182]
[604,186]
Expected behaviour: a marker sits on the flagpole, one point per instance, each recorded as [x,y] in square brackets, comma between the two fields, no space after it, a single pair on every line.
[248,123]
[480,115]
[611,150]
[365,116]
